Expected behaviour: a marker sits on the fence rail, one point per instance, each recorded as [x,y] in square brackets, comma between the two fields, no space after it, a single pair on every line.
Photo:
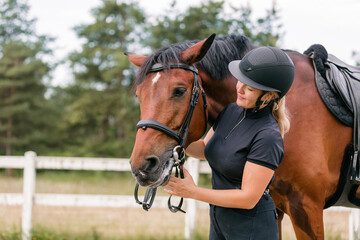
[30,162]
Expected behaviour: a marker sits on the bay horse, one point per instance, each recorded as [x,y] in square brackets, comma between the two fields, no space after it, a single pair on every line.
[314,146]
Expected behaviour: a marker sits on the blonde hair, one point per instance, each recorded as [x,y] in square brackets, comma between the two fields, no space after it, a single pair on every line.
[279,112]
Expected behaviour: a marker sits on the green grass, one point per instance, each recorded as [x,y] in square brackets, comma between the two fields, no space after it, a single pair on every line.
[42,233]
[85,182]
[105,182]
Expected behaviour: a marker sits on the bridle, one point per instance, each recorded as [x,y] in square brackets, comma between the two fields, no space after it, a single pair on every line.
[180,136]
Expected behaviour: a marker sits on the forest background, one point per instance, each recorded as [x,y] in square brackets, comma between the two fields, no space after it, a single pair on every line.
[95,115]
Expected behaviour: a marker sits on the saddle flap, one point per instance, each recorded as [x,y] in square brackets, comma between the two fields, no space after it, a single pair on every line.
[339,84]
[345,81]
[353,69]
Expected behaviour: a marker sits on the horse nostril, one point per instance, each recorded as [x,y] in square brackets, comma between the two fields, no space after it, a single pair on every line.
[151,163]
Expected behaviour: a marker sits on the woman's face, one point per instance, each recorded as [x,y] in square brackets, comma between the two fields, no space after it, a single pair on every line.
[246,95]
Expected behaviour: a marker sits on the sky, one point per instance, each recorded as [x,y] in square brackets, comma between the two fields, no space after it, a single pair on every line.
[333,23]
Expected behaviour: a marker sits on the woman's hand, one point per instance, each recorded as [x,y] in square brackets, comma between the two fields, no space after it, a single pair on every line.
[181,187]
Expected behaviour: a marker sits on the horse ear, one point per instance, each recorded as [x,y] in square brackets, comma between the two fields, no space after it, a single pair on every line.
[196,52]
[137,60]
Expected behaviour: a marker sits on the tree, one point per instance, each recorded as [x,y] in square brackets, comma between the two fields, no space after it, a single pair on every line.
[14,20]
[103,113]
[195,23]
[356,56]
[263,31]
[210,17]
[21,72]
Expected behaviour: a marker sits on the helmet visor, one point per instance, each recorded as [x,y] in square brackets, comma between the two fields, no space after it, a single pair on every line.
[234,68]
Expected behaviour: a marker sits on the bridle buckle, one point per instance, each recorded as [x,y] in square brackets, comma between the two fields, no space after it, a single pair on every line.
[179,156]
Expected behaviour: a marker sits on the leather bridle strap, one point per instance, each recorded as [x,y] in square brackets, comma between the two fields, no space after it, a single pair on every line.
[150,123]
[171,207]
[148,199]
[180,136]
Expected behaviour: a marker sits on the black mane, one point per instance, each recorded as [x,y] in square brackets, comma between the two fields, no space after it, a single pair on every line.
[222,51]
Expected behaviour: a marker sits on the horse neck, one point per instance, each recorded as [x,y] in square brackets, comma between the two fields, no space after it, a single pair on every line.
[219,93]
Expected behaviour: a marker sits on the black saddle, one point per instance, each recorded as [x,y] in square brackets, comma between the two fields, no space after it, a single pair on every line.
[338,84]
[346,80]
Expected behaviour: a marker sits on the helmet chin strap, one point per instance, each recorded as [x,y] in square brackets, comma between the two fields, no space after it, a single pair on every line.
[260,102]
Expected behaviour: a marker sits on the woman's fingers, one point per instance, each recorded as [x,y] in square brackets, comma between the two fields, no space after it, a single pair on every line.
[173,180]
[178,186]
[168,191]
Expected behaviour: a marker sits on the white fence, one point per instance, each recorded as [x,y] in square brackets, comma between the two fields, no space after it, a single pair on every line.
[30,162]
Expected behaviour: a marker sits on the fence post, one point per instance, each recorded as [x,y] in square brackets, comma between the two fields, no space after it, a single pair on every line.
[28,194]
[354,222]
[190,217]
[351,225]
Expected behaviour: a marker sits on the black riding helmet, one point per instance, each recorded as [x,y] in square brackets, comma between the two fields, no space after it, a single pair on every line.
[265,68]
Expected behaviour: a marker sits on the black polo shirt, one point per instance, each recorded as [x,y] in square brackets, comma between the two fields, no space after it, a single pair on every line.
[240,136]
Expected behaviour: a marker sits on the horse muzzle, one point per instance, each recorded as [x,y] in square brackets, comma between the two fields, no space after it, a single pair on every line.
[153,175]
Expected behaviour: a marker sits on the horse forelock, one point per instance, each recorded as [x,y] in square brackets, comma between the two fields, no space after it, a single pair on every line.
[215,63]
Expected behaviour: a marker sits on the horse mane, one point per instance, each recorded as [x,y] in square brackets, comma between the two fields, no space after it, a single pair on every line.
[215,63]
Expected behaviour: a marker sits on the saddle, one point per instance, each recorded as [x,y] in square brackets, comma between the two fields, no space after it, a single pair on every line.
[338,84]
[346,80]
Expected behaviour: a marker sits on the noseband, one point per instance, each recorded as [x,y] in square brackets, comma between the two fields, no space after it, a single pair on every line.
[180,136]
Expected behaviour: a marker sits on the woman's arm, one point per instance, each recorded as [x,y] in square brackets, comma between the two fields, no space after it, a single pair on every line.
[255,180]
[196,149]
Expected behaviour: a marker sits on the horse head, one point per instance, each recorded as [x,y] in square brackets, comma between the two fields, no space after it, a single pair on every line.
[165,87]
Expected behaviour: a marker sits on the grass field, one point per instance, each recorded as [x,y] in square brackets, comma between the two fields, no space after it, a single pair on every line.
[114,223]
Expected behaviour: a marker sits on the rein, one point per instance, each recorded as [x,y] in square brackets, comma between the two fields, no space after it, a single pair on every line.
[180,136]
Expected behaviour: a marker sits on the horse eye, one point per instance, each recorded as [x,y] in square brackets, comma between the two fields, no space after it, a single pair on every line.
[178,92]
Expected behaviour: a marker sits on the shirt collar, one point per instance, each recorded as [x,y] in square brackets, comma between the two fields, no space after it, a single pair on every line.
[260,113]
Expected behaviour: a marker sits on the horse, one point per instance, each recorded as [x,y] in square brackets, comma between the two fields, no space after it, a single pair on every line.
[314,146]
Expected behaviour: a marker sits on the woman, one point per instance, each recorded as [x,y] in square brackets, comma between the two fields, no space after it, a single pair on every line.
[244,147]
